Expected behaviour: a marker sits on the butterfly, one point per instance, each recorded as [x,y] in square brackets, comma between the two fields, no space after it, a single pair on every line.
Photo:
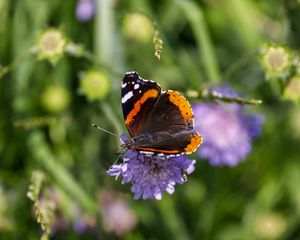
[159,122]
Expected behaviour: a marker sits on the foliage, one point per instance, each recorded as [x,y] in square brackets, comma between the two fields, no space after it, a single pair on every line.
[53,53]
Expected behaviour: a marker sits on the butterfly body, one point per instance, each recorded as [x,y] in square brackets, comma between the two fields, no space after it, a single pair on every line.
[159,122]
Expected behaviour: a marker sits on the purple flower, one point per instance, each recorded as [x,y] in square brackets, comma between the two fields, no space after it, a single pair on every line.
[151,175]
[117,215]
[226,129]
[85,10]
[82,222]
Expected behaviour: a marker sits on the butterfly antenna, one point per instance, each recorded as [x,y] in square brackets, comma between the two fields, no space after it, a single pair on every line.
[120,154]
[104,130]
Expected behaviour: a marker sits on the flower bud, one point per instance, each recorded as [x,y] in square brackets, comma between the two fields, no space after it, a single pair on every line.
[137,26]
[94,84]
[55,99]
[292,90]
[269,226]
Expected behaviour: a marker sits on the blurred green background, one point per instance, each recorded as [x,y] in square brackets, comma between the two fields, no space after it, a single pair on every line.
[49,98]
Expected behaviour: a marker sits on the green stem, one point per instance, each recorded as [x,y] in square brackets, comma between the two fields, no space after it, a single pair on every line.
[54,168]
[239,65]
[172,219]
[194,15]
[10,67]
[104,32]
[213,95]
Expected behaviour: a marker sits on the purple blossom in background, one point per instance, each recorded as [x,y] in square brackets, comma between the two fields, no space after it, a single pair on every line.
[85,10]
[226,129]
[82,222]
[79,226]
[151,176]
[117,215]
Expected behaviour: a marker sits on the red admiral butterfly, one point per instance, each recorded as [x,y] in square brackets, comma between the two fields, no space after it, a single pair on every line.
[159,122]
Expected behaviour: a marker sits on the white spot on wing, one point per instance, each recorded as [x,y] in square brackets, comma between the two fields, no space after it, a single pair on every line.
[147,153]
[136,86]
[124,85]
[127,96]
[128,73]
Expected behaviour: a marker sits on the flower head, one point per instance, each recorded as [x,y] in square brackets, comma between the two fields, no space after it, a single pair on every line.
[85,10]
[227,131]
[275,60]
[51,45]
[118,217]
[94,84]
[151,175]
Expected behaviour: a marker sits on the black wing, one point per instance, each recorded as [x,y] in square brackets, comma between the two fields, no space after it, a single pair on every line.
[138,97]
[169,127]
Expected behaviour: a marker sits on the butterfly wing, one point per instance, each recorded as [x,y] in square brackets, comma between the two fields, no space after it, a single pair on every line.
[157,122]
[170,144]
[169,127]
[138,99]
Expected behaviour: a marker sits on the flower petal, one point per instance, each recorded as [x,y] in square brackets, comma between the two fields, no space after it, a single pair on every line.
[151,176]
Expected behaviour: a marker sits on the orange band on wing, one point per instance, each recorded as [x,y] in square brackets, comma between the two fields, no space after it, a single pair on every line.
[185,108]
[196,140]
[156,150]
[152,93]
